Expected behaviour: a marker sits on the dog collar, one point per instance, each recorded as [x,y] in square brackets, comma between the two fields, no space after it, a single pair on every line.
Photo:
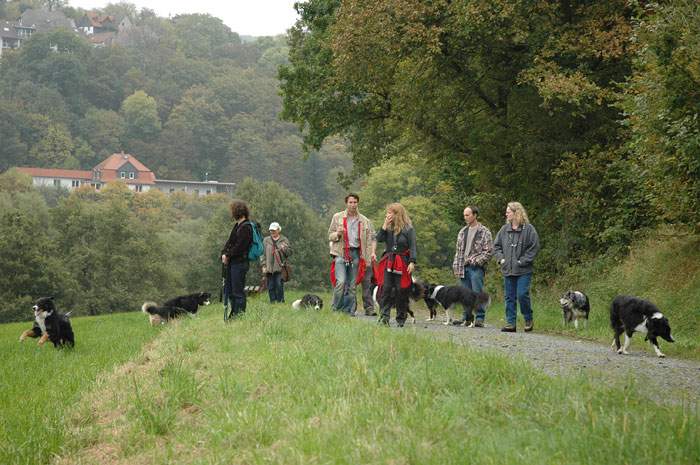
[435,291]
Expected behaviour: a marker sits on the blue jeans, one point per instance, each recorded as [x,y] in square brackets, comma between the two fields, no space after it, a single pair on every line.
[234,287]
[275,287]
[474,281]
[518,287]
[344,290]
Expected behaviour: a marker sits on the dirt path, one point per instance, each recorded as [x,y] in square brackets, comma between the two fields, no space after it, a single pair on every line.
[665,379]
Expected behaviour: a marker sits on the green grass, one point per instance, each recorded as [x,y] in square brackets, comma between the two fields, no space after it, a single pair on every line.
[39,386]
[664,269]
[279,386]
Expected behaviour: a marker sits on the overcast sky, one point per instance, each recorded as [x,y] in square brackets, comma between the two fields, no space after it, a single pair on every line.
[246,17]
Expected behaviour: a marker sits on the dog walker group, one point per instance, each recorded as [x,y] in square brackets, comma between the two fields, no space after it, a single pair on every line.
[390,282]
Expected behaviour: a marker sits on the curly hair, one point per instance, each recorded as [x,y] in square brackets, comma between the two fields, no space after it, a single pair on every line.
[239,209]
[518,212]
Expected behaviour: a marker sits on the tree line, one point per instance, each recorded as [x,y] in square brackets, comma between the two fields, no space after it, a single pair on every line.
[586,112]
[186,95]
[110,250]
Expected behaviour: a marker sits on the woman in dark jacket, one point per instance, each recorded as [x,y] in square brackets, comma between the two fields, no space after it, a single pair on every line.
[515,249]
[397,263]
[234,256]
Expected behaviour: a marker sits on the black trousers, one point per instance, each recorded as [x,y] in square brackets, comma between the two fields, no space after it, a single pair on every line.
[394,296]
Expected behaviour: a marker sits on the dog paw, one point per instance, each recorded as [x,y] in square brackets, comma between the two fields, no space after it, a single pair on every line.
[661,355]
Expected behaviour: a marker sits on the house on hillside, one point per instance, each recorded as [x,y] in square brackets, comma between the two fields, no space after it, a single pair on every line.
[12,34]
[124,168]
[44,20]
[101,31]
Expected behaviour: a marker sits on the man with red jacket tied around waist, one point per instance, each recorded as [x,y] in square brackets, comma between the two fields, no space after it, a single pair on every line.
[397,263]
[350,248]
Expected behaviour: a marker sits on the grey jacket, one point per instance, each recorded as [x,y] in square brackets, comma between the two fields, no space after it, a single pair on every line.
[518,247]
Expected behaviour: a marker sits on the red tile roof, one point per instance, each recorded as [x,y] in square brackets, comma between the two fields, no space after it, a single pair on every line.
[110,168]
[56,173]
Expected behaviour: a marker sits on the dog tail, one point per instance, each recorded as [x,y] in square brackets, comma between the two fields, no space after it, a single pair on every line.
[484,299]
[296,305]
[149,307]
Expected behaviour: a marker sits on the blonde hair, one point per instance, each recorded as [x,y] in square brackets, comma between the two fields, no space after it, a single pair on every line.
[401,218]
[519,213]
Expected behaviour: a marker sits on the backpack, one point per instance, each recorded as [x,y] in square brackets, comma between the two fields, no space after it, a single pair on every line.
[256,248]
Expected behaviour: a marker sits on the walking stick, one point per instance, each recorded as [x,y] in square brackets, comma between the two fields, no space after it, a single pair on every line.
[223,294]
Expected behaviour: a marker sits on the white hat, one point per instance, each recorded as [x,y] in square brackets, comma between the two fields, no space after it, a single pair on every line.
[275,226]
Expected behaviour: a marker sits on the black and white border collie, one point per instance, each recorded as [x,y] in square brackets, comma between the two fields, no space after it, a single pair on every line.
[574,307]
[449,296]
[308,301]
[174,308]
[50,325]
[415,293]
[630,314]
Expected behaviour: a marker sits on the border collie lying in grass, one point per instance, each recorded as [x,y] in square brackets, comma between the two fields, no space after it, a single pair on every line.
[308,301]
[630,314]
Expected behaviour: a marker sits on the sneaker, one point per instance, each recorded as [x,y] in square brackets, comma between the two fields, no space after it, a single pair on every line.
[508,328]
[478,323]
[528,326]
[458,322]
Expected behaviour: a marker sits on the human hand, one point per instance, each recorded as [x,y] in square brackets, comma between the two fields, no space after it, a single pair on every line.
[388,219]
[224,259]
[373,257]
[411,267]
[502,261]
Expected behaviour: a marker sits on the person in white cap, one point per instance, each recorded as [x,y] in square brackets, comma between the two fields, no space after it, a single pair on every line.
[277,251]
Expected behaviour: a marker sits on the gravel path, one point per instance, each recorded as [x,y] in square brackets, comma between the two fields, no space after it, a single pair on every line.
[665,379]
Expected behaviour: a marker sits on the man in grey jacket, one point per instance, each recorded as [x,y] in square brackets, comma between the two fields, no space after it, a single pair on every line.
[515,249]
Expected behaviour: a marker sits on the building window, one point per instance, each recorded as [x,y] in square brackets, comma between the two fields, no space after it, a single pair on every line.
[122,174]
[131,175]
[171,190]
[139,188]
[57,182]
[208,191]
[75,183]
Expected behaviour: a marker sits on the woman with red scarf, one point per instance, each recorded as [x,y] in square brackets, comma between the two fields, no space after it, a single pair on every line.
[397,263]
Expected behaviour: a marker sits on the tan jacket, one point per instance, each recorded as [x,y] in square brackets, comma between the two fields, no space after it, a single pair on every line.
[337,243]
[271,264]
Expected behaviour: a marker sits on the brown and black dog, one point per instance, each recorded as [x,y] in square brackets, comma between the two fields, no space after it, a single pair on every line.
[50,325]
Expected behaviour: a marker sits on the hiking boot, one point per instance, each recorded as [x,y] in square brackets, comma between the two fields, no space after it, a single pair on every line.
[528,326]
[508,328]
[458,322]
[478,323]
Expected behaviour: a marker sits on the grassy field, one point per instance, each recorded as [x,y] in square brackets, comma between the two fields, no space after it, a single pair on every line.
[278,386]
[39,386]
